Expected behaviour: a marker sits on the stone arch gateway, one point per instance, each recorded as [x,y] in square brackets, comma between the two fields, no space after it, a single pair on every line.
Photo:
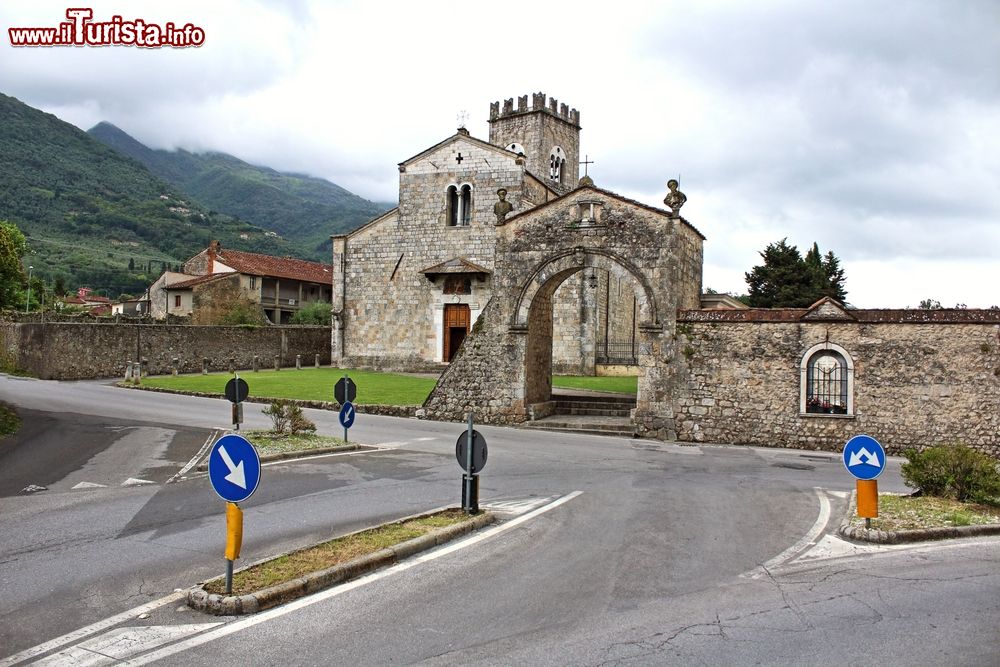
[503,371]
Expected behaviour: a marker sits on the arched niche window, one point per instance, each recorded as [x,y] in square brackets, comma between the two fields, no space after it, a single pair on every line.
[827,381]
[557,160]
[459,211]
[516,148]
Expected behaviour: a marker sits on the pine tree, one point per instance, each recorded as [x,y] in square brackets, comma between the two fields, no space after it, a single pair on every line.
[787,280]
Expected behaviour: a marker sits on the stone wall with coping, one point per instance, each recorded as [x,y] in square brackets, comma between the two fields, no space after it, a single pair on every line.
[915,383]
[70,351]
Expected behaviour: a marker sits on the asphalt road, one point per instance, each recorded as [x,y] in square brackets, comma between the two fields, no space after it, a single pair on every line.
[657,553]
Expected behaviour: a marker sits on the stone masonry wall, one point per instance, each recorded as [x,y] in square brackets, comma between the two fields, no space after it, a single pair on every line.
[64,351]
[914,384]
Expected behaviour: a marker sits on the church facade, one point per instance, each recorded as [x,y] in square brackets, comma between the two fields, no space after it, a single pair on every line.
[409,285]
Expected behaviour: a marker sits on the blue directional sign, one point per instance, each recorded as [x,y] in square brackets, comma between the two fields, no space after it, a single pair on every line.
[347,414]
[234,468]
[864,457]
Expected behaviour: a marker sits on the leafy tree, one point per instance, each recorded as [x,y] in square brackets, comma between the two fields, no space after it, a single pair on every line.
[131,263]
[12,248]
[787,280]
[314,313]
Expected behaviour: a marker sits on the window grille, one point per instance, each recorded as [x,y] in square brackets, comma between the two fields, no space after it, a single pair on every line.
[826,383]
[617,351]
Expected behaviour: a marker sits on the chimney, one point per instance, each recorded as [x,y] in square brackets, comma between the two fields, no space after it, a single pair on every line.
[213,250]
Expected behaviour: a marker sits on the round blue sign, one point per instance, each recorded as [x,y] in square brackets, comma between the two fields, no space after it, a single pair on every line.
[864,457]
[234,468]
[347,414]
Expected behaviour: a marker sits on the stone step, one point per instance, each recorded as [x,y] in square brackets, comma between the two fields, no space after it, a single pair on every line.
[613,426]
[625,399]
[593,411]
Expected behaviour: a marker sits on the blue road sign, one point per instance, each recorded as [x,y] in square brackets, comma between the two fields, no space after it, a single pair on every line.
[864,457]
[347,414]
[234,468]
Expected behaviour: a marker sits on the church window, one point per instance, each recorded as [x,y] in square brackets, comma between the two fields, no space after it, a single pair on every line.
[457,285]
[516,148]
[827,379]
[557,160]
[459,209]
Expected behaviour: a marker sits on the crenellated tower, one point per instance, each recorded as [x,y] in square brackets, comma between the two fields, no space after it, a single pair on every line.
[547,134]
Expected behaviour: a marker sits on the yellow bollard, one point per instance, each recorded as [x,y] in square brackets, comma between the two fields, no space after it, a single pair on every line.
[234,531]
[868,498]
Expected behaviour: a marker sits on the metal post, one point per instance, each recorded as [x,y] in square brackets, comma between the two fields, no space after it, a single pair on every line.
[229,577]
[347,399]
[468,467]
[27,300]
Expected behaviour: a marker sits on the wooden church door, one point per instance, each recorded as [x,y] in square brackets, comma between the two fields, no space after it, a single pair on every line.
[456,326]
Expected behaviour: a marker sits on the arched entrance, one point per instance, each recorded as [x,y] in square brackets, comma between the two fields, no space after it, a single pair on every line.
[533,314]
[503,371]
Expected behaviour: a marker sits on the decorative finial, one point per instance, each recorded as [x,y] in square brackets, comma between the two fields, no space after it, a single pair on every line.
[586,162]
[674,199]
[463,116]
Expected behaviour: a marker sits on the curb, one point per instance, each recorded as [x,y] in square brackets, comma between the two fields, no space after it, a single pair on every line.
[406,411]
[251,603]
[301,454]
[874,536]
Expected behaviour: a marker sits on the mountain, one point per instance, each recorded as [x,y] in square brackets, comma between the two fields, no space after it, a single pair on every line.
[97,218]
[302,209]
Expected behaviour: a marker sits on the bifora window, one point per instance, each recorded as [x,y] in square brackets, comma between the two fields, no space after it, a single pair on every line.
[827,377]
[459,205]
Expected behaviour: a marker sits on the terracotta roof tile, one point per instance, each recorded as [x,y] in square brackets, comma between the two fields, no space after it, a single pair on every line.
[197,280]
[276,267]
[873,315]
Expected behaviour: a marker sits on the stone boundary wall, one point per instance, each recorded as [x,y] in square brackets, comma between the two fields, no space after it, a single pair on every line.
[916,383]
[79,351]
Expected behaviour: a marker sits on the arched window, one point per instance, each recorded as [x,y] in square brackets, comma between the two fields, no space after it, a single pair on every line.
[557,159]
[466,216]
[453,206]
[827,381]
[459,209]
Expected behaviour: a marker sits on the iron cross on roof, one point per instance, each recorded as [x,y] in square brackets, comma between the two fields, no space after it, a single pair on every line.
[586,162]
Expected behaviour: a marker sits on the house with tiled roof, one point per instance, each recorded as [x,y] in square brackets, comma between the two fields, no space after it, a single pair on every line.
[215,279]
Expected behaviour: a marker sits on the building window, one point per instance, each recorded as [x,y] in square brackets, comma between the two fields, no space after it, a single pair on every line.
[177,301]
[557,160]
[459,206]
[827,381]
[457,285]
[253,282]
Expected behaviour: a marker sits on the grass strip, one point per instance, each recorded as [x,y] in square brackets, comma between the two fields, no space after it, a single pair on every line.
[624,384]
[311,384]
[269,442]
[337,551]
[916,513]
[10,423]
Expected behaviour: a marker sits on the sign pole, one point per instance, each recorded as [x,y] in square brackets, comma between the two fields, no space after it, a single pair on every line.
[868,500]
[346,394]
[468,467]
[234,541]
[236,420]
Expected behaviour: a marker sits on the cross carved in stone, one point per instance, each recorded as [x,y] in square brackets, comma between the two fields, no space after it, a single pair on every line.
[459,158]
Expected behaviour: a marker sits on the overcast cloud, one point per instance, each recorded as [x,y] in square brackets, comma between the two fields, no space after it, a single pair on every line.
[871,128]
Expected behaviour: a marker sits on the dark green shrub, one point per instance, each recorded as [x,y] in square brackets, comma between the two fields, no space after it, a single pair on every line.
[954,471]
[312,313]
[298,422]
[287,416]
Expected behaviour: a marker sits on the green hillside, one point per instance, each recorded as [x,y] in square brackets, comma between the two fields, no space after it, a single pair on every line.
[94,217]
[302,209]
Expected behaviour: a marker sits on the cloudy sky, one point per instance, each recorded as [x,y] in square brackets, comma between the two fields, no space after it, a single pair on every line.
[872,128]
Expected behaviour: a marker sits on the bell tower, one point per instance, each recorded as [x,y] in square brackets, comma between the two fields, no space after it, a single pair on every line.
[547,134]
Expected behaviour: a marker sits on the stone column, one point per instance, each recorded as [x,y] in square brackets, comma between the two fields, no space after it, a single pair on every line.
[317,361]
[174,366]
[204,365]
[277,362]
[256,363]
[298,362]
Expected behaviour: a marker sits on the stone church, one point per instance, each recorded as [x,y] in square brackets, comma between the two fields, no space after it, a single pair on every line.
[411,283]
[502,266]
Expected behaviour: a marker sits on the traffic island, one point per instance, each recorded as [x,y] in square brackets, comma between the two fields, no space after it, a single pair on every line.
[900,526]
[269,583]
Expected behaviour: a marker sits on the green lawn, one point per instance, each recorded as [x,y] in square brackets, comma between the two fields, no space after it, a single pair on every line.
[316,384]
[627,384]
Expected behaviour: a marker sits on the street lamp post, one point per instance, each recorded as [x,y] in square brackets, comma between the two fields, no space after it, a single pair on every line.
[27,300]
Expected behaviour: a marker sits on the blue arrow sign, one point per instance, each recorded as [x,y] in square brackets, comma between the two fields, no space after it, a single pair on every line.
[234,468]
[864,457]
[347,414]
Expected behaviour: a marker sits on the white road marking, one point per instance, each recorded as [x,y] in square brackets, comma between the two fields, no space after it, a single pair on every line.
[90,485]
[324,456]
[132,481]
[301,603]
[77,635]
[516,506]
[121,644]
[197,457]
[808,540]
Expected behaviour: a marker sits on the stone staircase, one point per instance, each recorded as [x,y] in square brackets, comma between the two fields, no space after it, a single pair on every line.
[595,414]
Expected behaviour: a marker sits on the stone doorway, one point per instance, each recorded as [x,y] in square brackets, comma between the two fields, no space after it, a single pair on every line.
[457,319]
